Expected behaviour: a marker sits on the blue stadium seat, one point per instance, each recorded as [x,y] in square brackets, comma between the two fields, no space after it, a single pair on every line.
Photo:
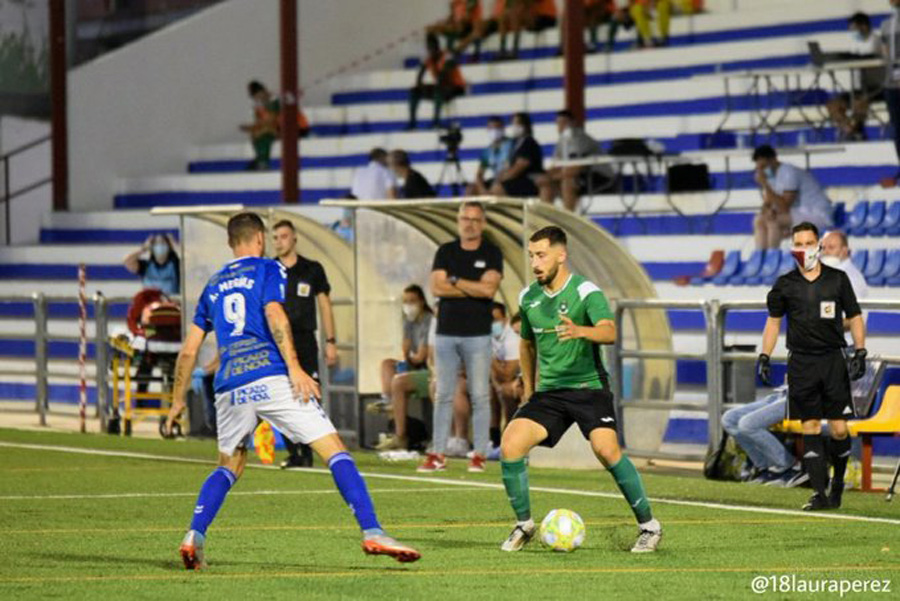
[786,264]
[859,259]
[890,225]
[874,265]
[890,270]
[749,269]
[769,268]
[856,219]
[875,216]
[729,268]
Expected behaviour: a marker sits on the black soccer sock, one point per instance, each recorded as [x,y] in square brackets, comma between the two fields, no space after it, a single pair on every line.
[814,461]
[495,437]
[840,454]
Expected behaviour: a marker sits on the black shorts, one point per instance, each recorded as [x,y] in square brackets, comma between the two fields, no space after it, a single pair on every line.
[556,410]
[521,187]
[819,387]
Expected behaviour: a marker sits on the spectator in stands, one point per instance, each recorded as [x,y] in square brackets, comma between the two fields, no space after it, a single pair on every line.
[465,17]
[264,129]
[400,379]
[500,22]
[790,195]
[374,181]
[612,13]
[526,162]
[157,263]
[531,15]
[750,424]
[563,181]
[504,371]
[492,159]
[343,227]
[848,111]
[448,81]
[889,46]
[641,11]
[409,182]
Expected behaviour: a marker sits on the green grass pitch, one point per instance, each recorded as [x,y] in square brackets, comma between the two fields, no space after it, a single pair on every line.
[106,526]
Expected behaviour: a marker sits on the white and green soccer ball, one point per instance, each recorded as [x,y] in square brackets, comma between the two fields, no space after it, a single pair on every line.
[562,530]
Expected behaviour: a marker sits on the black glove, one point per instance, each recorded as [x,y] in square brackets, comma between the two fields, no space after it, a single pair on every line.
[764,369]
[857,367]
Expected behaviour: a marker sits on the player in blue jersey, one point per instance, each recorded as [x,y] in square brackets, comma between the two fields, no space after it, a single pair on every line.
[260,378]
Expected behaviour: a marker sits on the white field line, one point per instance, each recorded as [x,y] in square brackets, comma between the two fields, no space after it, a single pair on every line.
[473,484]
[237,493]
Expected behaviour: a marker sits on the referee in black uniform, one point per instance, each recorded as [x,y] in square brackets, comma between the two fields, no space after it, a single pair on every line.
[818,301]
[307,285]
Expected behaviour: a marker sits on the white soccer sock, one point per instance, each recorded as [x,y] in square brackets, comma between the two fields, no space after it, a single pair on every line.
[652,526]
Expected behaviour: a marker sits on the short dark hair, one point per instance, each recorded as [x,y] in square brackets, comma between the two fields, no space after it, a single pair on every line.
[566,113]
[417,290]
[805,226]
[254,87]
[525,120]
[400,157]
[861,19]
[243,226]
[553,234]
[516,318]
[499,307]
[377,154]
[764,152]
[473,204]
[495,119]
[285,223]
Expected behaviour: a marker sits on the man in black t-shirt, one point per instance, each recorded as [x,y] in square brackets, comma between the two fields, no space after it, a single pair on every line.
[307,286]
[818,302]
[465,276]
[526,161]
[410,183]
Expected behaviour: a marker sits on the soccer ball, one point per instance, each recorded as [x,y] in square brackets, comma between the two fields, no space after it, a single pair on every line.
[562,530]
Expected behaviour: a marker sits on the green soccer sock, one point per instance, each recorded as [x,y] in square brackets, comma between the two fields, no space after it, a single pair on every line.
[515,479]
[629,482]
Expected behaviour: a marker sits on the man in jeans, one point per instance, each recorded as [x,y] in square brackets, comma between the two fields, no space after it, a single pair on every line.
[465,276]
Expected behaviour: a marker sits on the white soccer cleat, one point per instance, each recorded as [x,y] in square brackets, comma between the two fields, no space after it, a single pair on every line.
[519,537]
[382,544]
[647,541]
[192,551]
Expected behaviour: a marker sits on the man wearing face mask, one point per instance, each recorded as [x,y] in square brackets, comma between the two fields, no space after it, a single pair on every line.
[573,143]
[790,195]
[526,162]
[889,48]
[409,182]
[157,264]
[819,303]
[492,159]
[307,287]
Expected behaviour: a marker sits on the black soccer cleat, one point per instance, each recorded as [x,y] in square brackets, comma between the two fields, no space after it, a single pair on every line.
[817,502]
[834,496]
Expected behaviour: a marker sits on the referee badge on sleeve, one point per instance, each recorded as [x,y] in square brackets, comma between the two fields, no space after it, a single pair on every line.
[827,309]
[303,289]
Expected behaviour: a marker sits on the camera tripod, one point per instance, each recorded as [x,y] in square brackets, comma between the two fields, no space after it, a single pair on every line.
[453,169]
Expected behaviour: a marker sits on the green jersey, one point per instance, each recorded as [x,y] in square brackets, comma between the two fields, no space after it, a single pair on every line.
[571,363]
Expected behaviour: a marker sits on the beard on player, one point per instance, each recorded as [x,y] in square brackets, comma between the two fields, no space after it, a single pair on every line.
[545,279]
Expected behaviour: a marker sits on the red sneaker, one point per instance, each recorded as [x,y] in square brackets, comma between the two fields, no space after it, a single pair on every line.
[434,462]
[476,463]
[381,544]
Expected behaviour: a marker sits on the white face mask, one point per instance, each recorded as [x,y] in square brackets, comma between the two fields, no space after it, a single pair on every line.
[497,328]
[160,252]
[806,258]
[830,260]
[566,134]
[516,130]
[410,311]
[401,181]
[495,135]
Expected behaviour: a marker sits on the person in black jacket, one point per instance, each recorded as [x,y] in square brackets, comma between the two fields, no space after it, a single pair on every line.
[410,183]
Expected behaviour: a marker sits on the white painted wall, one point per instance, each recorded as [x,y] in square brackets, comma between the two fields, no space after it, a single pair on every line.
[137,111]
[29,167]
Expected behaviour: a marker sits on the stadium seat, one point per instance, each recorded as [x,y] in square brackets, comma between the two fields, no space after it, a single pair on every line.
[769,268]
[874,265]
[858,257]
[856,219]
[749,269]
[890,225]
[729,268]
[712,269]
[890,271]
[874,217]
[786,264]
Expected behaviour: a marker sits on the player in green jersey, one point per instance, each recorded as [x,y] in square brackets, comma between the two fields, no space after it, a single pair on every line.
[565,319]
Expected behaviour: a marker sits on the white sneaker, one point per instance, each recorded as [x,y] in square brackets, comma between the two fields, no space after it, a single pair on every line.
[519,537]
[647,541]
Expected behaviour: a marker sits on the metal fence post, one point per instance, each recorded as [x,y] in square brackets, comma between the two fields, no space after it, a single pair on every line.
[712,312]
[40,355]
[101,358]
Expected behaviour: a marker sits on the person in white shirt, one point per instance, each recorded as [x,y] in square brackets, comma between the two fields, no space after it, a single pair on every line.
[504,371]
[374,181]
[790,195]
[849,111]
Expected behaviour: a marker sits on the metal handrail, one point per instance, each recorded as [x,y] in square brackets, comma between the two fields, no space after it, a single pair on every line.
[24,148]
[9,195]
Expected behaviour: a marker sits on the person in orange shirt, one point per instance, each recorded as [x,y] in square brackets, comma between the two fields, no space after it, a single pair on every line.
[612,13]
[533,15]
[448,81]
[465,16]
